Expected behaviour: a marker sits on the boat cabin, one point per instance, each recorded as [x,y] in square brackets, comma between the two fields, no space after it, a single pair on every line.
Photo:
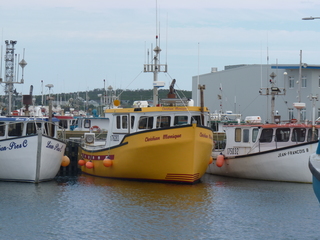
[12,127]
[246,139]
[95,124]
[134,120]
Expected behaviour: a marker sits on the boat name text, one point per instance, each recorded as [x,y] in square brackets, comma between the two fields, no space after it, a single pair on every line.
[288,153]
[204,135]
[166,136]
[233,151]
[173,108]
[14,145]
[56,147]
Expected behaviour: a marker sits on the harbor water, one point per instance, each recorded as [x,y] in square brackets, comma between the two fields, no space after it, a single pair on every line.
[86,207]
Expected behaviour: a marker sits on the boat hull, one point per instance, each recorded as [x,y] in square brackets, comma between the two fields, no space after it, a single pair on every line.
[314,166]
[34,158]
[178,154]
[289,164]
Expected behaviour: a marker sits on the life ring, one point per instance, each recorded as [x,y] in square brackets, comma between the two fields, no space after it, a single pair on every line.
[95,129]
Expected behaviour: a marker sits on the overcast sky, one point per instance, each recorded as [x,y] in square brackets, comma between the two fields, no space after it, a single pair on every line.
[75,45]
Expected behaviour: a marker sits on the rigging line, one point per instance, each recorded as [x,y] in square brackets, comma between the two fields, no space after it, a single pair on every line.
[129,84]
[251,102]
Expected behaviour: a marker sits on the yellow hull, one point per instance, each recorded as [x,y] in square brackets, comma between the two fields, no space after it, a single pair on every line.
[178,154]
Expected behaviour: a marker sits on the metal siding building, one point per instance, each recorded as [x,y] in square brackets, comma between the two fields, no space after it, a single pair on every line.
[237,88]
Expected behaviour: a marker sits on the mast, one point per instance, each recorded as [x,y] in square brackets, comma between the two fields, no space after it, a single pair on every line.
[9,77]
[156,67]
[273,91]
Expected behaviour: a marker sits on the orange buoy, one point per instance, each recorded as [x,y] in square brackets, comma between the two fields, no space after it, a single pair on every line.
[107,162]
[220,160]
[65,161]
[81,162]
[210,160]
[89,165]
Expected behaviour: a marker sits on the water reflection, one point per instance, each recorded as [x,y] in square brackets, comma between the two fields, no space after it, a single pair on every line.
[87,207]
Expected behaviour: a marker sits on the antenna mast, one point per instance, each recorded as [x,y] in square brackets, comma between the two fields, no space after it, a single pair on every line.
[10,79]
[156,67]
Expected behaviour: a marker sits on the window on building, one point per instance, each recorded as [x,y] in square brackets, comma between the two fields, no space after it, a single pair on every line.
[319,82]
[318,112]
[304,81]
[290,110]
[303,114]
[291,82]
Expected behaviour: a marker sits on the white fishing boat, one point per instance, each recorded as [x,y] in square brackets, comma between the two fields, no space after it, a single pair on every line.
[277,151]
[30,150]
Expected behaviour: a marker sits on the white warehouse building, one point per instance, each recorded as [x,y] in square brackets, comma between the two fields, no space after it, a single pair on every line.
[246,90]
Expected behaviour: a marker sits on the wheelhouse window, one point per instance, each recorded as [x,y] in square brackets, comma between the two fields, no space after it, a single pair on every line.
[2,128]
[282,135]
[298,135]
[145,122]
[132,121]
[124,122]
[255,132]
[237,137]
[31,128]
[312,135]
[49,129]
[163,121]
[87,123]
[197,119]
[15,129]
[180,120]
[63,123]
[245,135]
[266,135]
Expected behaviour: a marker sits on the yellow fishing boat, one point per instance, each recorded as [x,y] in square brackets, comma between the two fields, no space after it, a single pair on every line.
[169,141]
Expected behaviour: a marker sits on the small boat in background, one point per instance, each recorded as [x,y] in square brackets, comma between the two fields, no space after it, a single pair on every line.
[314,166]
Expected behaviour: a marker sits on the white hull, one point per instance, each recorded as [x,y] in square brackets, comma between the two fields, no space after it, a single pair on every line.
[289,164]
[34,158]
